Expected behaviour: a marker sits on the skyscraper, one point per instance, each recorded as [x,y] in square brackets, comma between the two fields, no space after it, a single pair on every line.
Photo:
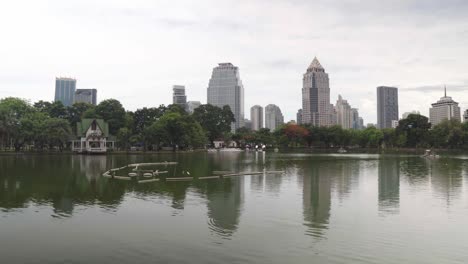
[256,117]
[355,119]
[178,95]
[65,90]
[299,117]
[88,96]
[343,113]
[316,108]
[444,109]
[387,106]
[465,116]
[273,117]
[225,88]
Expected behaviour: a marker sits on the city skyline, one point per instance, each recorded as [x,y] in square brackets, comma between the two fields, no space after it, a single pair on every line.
[125,59]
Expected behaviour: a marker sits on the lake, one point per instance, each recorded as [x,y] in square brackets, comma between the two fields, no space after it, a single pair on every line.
[324,208]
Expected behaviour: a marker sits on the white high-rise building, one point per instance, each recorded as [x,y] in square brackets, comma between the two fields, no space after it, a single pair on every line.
[316,108]
[445,108]
[256,117]
[225,88]
[344,114]
[273,117]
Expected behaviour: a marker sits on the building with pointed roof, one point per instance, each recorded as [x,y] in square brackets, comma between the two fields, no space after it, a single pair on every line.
[444,109]
[93,136]
[316,107]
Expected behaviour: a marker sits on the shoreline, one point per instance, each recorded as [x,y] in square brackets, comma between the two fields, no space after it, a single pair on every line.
[282,150]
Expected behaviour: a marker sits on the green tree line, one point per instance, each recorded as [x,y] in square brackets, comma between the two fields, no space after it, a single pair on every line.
[51,125]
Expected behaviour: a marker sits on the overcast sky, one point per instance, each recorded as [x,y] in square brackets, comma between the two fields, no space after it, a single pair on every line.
[135,50]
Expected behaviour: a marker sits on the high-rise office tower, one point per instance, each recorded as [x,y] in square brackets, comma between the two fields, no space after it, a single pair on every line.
[65,90]
[256,117]
[225,88]
[192,105]
[316,108]
[247,124]
[88,96]
[343,113]
[361,123]
[299,117]
[355,123]
[465,116]
[387,106]
[444,109]
[273,117]
[178,95]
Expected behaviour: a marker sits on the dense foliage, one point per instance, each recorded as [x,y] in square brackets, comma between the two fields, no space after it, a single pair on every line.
[50,125]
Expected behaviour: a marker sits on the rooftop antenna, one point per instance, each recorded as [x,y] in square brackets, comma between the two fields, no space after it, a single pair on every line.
[445,90]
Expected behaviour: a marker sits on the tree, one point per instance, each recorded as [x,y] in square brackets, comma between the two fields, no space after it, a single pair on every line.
[12,110]
[416,130]
[113,113]
[76,111]
[145,117]
[58,132]
[214,120]
[57,110]
[175,129]
[448,134]
[294,134]
[123,137]
[32,129]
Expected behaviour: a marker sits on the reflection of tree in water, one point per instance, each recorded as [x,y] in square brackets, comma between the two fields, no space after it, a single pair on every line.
[447,178]
[224,201]
[389,185]
[60,181]
[415,169]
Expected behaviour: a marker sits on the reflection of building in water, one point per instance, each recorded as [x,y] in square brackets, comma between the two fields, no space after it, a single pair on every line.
[346,174]
[92,166]
[447,178]
[316,195]
[389,184]
[225,201]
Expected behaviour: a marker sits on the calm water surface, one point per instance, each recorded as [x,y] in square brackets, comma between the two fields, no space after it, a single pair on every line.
[323,209]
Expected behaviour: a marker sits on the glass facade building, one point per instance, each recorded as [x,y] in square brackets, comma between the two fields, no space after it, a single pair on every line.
[65,90]
[387,106]
[225,88]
